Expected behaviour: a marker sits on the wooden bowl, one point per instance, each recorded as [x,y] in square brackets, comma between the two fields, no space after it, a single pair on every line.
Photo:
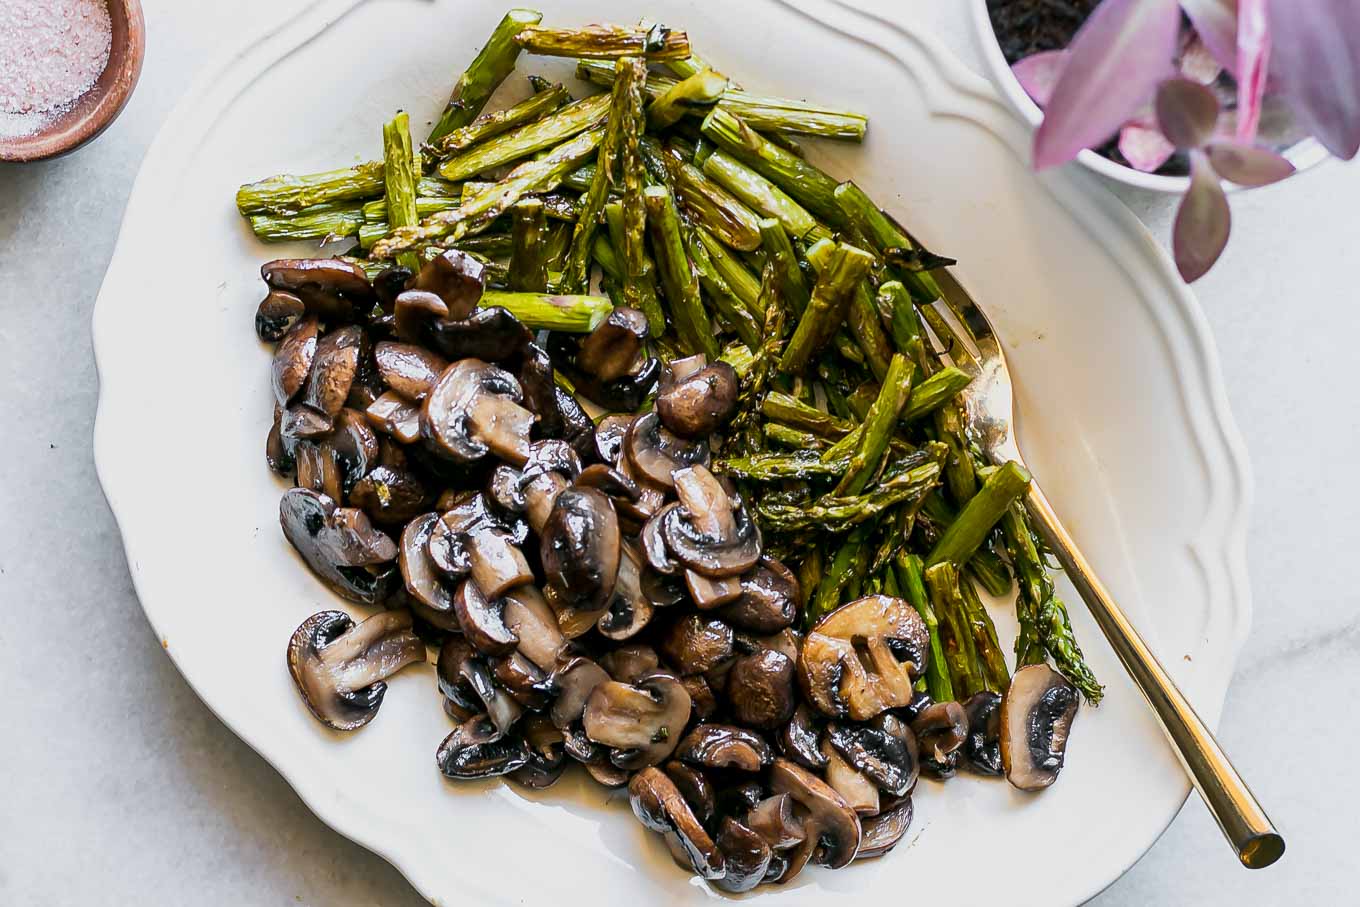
[99,106]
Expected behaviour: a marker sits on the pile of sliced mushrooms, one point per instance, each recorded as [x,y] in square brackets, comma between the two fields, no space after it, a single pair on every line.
[596,593]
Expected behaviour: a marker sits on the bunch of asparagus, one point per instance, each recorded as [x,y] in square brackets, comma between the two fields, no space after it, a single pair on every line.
[695,202]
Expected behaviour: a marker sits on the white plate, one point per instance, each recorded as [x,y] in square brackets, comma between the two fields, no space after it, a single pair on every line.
[1124,418]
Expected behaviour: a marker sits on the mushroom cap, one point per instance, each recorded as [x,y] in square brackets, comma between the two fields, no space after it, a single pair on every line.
[760,689]
[982,749]
[408,369]
[293,359]
[830,820]
[483,621]
[390,496]
[339,667]
[393,415]
[746,857]
[630,662]
[769,600]
[656,453]
[492,334]
[940,730]
[580,548]
[1036,718]
[335,541]
[278,312]
[840,681]
[659,805]
[474,410]
[610,435]
[335,290]
[334,367]
[389,284]
[695,787]
[422,579]
[547,754]
[576,682]
[477,749]
[457,278]
[414,311]
[612,349]
[846,780]
[629,610]
[800,739]
[466,678]
[644,719]
[356,446]
[725,746]
[694,643]
[885,759]
[710,532]
[701,403]
[774,820]
[883,831]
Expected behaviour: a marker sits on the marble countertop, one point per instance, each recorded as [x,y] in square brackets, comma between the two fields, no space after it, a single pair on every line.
[116,782]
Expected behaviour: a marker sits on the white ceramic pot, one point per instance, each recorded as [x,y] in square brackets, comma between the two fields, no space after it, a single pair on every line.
[1303,155]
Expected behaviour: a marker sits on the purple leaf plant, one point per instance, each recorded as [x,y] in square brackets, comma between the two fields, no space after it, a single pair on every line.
[1134,69]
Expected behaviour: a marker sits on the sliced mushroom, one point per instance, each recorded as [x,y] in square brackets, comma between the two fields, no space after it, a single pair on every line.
[800,740]
[356,446]
[474,410]
[641,722]
[318,469]
[982,749]
[477,749]
[610,481]
[422,580]
[760,689]
[523,680]
[547,756]
[457,278]
[710,592]
[746,856]
[276,453]
[659,805]
[492,334]
[769,599]
[612,349]
[830,821]
[883,831]
[293,359]
[1036,718]
[576,682]
[857,790]
[483,621]
[607,775]
[334,290]
[410,370]
[849,664]
[725,746]
[656,453]
[393,415]
[278,312]
[701,403]
[702,700]
[577,428]
[629,611]
[694,644]
[338,543]
[631,662]
[940,730]
[609,437]
[478,543]
[389,284]
[462,672]
[679,369]
[414,311]
[532,622]
[654,549]
[340,667]
[711,532]
[884,758]
[580,551]
[390,495]
[333,369]
[550,468]
[696,789]
[774,820]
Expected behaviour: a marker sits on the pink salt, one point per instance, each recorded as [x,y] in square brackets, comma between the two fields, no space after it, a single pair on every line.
[51,53]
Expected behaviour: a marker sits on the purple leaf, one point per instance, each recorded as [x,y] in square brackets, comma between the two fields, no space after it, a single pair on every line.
[1215,22]
[1117,60]
[1187,112]
[1203,221]
[1144,147]
[1038,74]
[1199,64]
[1247,165]
[1317,67]
[1253,57]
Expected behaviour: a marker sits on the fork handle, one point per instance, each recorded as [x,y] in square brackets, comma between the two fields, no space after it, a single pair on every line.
[1234,807]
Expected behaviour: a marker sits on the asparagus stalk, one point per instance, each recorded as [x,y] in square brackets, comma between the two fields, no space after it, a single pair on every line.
[850,561]
[832,514]
[331,220]
[739,277]
[779,251]
[763,196]
[905,327]
[605,42]
[723,297]
[911,579]
[508,147]
[375,212]
[488,70]
[962,538]
[810,573]
[985,641]
[678,276]
[699,91]
[542,175]
[826,310]
[528,266]
[286,194]
[965,669]
[705,202]
[959,474]
[808,185]
[878,427]
[489,125]
[551,312]
[623,104]
[794,439]
[740,357]
[639,272]
[399,180]
[883,233]
[934,392]
[605,255]
[793,412]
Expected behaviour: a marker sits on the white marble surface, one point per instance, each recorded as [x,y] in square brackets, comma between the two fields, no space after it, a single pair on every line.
[117,786]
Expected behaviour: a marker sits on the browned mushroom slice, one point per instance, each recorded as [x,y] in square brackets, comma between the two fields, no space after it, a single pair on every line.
[318,469]
[746,856]
[629,611]
[774,820]
[390,496]
[982,749]
[278,312]
[640,722]
[532,490]
[478,749]
[413,313]
[650,501]
[300,422]
[523,680]
[656,453]
[422,580]
[392,415]
[887,759]
[659,805]
[492,335]
[491,555]
[941,730]
[337,543]
[293,359]
[769,599]
[702,700]
[800,739]
[613,348]
[653,544]
[333,370]
[465,676]
[846,780]
[340,667]
[276,453]
[760,689]
[580,551]
[883,831]
[1036,718]
[630,662]
[710,592]
[850,663]
[610,481]
[829,821]
[547,755]
[607,775]
[334,290]
[710,532]
[701,403]
[535,626]
[474,410]
[679,369]
[575,682]
[456,278]
[389,284]
[697,790]
[725,746]
[410,370]
[356,446]
[483,621]
[609,437]
[694,644]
